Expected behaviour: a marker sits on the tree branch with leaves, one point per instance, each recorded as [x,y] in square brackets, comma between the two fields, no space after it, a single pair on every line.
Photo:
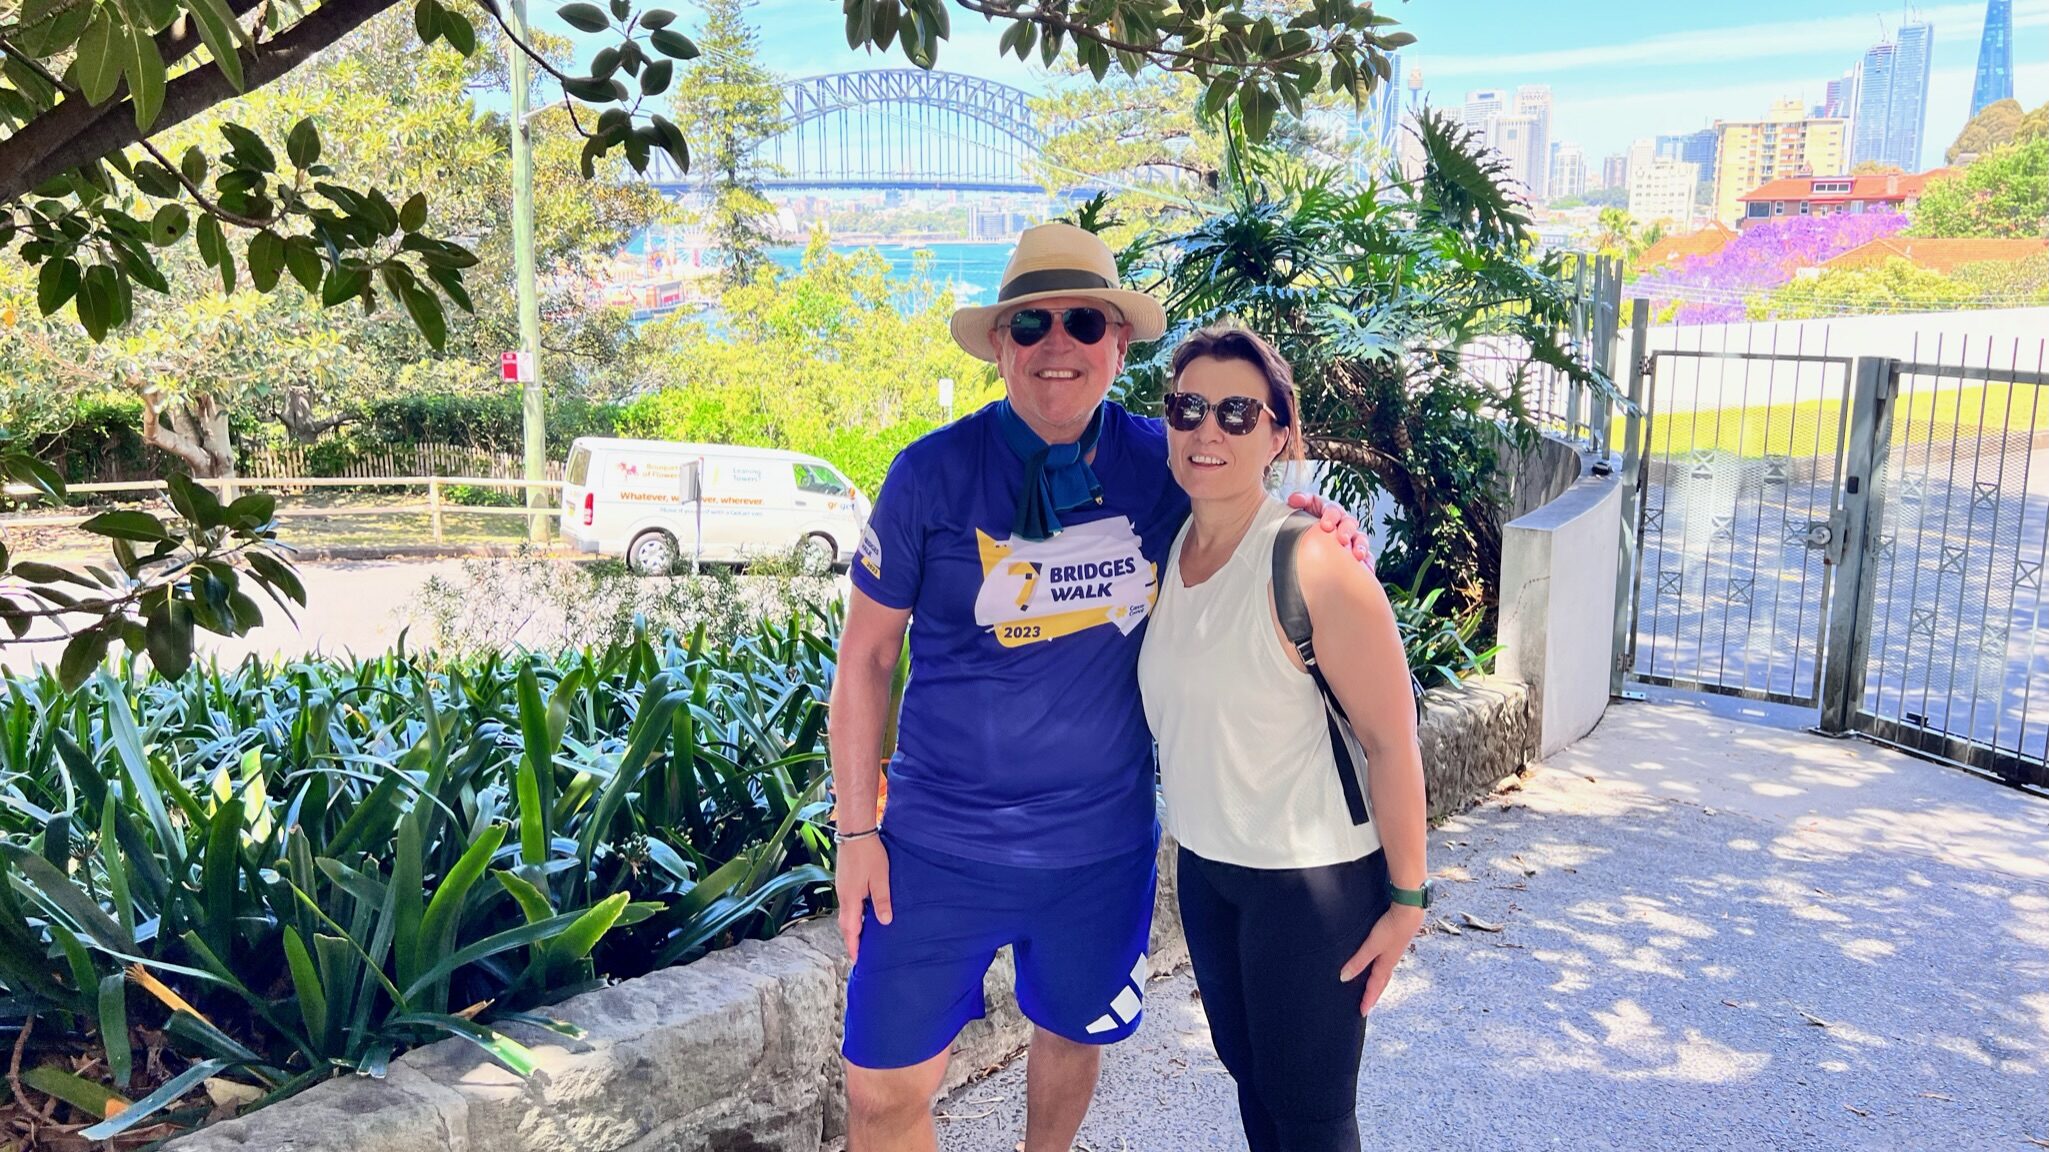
[85,84]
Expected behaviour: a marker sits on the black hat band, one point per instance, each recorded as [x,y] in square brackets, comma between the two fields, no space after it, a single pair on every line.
[1052,280]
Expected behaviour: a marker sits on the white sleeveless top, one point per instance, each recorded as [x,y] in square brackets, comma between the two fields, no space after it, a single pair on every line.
[1245,760]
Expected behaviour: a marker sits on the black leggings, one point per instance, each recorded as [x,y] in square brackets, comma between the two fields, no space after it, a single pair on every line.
[1267,945]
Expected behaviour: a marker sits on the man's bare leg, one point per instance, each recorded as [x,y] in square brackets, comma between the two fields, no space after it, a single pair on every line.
[1060,1081]
[890,1109]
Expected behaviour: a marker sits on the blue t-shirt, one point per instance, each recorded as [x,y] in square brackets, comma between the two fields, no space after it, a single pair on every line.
[1022,738]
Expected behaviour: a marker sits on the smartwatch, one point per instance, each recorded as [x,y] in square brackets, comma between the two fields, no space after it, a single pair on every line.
[1413,897]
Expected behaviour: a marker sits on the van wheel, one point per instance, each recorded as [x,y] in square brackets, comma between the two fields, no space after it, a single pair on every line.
[653,554]
[818,553]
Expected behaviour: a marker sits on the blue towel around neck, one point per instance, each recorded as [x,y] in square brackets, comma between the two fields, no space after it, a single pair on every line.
[1057,476]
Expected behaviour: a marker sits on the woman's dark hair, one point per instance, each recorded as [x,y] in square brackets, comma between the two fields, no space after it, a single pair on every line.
[1234,342]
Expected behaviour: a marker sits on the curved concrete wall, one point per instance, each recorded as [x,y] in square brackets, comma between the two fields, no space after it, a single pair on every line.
[1558,573]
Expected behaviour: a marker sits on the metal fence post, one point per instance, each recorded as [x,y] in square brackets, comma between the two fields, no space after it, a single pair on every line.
[1578,337]
[1856,525]
[1632,498]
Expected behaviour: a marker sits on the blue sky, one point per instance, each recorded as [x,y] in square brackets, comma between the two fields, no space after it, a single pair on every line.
[1617,70]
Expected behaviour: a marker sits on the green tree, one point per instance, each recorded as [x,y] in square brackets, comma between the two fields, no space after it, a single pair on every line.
[205,355]
[1157,143]
[1993,127]
[1893,285]
[837,359]
[87,87]
[1374,294]
[730,104]
[1619,234]
[2004,193]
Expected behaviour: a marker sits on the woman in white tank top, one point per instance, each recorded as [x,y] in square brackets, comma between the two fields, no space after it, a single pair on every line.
[1295,915]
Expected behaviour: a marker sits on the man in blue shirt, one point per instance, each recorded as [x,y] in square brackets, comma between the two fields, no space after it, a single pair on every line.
[1020,546]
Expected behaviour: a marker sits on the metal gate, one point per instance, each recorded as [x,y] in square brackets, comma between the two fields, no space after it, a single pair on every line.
[1867,535]
[1738,486]
[1946,653]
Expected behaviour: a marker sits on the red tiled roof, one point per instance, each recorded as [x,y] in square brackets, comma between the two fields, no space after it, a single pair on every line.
[1868,187]
[1706,242]
[1944,256]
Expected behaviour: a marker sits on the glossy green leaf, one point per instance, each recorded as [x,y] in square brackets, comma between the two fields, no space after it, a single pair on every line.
[222,35]
[144,69]
[127,525]
[99,57]
[673,44]
[584,17]
[169,225]
[302,145]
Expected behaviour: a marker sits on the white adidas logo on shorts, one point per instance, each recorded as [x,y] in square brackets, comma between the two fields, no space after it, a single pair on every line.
[1125,1008]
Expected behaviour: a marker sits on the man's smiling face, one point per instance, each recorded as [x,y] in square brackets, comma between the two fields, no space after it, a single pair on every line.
[1057,383]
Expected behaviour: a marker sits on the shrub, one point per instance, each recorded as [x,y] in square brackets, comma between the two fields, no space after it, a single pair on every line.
[297,869]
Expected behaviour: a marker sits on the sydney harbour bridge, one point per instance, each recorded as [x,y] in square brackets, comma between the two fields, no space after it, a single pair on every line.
[895,128]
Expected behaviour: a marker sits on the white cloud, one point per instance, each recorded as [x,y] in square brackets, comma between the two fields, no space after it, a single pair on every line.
[1746,43]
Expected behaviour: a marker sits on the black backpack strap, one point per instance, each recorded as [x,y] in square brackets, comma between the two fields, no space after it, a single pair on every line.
[1294,616]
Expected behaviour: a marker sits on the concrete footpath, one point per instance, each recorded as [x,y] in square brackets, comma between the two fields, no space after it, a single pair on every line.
[1713,933]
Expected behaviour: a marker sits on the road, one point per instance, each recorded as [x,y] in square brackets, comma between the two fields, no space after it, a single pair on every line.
[351,606]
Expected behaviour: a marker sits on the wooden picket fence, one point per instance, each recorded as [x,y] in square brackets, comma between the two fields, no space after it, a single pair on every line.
[429,459]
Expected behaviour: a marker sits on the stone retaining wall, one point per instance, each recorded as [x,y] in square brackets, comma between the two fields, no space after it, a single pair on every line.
[738,1052]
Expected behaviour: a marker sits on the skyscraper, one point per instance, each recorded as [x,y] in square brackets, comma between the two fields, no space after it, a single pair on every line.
[1568,170]
[1533,103]
[1481,108]
[1518,138]
[1995,57]
[1692,147]
[1909,114]
[1615,171]
[1889,100]
[1382,120]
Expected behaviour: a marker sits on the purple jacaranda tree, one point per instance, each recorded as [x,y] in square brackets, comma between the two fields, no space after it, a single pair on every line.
[1713,289]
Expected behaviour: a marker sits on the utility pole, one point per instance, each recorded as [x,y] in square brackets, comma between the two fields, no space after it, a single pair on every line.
[535,416]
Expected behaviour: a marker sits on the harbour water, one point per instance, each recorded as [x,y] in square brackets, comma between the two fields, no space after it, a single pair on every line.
[971,269]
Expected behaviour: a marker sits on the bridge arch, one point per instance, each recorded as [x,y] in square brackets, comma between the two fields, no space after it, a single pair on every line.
[898,128]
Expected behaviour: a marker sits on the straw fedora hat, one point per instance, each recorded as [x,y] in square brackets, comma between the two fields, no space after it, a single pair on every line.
[1057,260]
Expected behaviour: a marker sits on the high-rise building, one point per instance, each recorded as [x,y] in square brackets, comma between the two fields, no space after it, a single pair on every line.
[1889,99]
[1836,103]
[1641,153]
[1534,102]
[1615,172]
[1516,137]
[1787,142]
[1995,57]
[1692,147]
[1908,121]
[1568,170]
[1381,122]
[1662,191]
[1481,108]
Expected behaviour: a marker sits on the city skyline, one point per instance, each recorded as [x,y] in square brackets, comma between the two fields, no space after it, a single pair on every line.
[1617,74]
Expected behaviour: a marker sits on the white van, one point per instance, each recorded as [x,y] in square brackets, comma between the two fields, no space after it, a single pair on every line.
[659,503]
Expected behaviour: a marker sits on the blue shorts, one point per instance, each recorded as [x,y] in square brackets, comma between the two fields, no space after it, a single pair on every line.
[1079,936]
